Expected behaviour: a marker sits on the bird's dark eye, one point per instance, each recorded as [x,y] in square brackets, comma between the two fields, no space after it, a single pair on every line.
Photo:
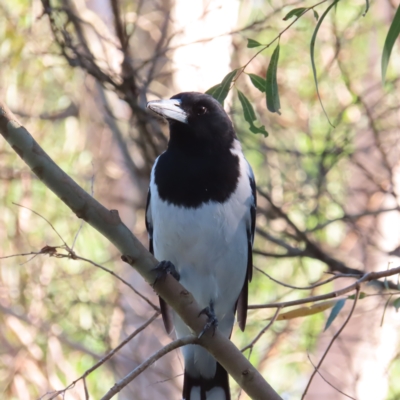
[200,110]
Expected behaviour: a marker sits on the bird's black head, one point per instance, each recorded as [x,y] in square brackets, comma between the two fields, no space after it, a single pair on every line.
[196,121]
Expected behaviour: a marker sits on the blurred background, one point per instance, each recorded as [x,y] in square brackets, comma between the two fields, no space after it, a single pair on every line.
[78,75]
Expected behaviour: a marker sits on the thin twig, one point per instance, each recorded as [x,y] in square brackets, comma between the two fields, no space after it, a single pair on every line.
[332,341]
[336,276]
[105,358]
[41,216]
[52,252]
[371,276]
[255,340]
[143,297]
[241,70]
[85,389]
[384,310]
[144,365]
[326,381]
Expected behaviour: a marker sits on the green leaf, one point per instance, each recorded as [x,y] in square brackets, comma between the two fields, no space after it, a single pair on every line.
[258,82]
[248,111]
[261,129]
[250,115]
[361,296]
[252,43]
[221,91]
[396,304]
[212,90]
[272,94]
[312,47]
[316,16]
[386,283]
[391,37]
[294,13]
[334,313]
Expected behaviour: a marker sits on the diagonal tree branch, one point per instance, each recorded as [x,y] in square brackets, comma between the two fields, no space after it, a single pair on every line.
[108,223]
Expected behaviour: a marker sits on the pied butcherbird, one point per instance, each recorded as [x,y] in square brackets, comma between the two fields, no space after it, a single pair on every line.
[200,217]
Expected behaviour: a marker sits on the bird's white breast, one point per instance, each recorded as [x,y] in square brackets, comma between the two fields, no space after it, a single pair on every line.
[207,245]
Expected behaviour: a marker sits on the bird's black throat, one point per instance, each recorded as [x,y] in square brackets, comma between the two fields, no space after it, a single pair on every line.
[190,178]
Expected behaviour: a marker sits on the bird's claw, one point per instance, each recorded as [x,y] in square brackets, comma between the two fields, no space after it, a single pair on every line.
[212,322]
[163,268]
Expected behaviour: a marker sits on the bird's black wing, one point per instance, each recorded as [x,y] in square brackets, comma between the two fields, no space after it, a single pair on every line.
[243,297]
[149,222]
[165,311]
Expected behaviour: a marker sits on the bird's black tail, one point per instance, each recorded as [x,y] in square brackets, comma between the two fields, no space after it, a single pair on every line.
[216,388]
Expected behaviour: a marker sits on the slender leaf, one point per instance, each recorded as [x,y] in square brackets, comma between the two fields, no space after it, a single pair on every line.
[306,311]
[294,13]
[334,312]
[258,82]
[212,89]
[222,90]
[391,37]
[248,111]
[252,43]
[261,129]
[272,93]
[316,16]
[396,304]
[250,115]
[366,7]
[312,47]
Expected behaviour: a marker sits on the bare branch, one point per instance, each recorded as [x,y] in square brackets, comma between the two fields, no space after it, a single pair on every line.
[144,365]
[41,216]
[332,341]
[106,357]
[307,287]
[371,276]
[255,340]
[326,381]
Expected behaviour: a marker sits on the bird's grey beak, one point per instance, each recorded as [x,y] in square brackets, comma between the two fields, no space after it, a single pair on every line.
[169,109]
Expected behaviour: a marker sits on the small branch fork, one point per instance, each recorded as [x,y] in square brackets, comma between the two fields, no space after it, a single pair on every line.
[144,365]
[53,395]
[277,38]
[255,340]
[332,341]
[52,251]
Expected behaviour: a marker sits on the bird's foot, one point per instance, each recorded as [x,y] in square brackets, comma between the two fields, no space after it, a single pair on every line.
[212,322]
[163,268]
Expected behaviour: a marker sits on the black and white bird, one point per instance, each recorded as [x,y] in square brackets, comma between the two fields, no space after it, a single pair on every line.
[200,216]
